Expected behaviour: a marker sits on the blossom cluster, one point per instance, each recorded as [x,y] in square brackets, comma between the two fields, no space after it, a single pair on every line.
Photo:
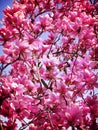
[49,65]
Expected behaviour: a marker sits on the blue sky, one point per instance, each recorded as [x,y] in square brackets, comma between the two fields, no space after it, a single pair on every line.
[3,5]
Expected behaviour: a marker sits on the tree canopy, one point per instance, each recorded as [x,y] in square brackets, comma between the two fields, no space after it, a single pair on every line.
[49,65]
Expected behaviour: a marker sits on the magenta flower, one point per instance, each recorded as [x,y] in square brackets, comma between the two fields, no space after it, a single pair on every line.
[49,65]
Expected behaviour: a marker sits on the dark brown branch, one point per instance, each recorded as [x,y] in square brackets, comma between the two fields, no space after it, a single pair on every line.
[6,65]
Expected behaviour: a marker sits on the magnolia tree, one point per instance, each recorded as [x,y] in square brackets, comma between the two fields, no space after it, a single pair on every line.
[49,65]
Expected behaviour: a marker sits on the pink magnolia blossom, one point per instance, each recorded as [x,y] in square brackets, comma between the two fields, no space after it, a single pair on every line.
[49,65]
